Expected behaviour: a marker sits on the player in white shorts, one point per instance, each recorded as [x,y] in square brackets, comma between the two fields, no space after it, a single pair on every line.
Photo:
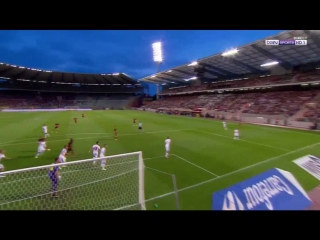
[236,134]
[64,151]
[224,125]
[95,151]
[2,156]
[45,131]
[103,151]
[62,159]
[167,143]
[42,147]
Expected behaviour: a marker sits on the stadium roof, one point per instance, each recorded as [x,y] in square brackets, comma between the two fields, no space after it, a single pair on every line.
[31,74]
[247,60]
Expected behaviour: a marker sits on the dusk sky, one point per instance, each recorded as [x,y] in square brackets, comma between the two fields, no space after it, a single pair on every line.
[113,51]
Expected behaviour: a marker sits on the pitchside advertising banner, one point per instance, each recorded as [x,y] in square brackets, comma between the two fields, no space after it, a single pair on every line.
[275,189]
[44,110]
[311,164]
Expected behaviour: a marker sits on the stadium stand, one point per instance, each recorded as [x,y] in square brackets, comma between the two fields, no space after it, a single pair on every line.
[33,88]
[260,81]
[271,103]
[25,99]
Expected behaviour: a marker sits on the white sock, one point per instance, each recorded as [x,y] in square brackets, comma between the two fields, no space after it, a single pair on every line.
[38,154]
[103,164]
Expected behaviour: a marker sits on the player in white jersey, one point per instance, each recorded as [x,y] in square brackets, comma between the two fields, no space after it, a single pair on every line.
[236,134]
[140,127]
[64,151]
[103,151]
[95,151]
[62,157]
[45,131]
[2,156]
[224,125]
[167,143]
[42,147]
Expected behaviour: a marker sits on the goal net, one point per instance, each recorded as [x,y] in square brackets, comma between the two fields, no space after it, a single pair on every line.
[83,185]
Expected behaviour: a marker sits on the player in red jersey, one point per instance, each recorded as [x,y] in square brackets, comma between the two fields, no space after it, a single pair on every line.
[56,126]
[82,115]
[75,120]
[115,133]
[69,147]
[134,121]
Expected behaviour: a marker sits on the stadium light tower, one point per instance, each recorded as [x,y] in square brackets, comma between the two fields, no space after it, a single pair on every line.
[157,54]
[158,59]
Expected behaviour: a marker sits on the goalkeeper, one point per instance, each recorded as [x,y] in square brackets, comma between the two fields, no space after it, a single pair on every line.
[54,177]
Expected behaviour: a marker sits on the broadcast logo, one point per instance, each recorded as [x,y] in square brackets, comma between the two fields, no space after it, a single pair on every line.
[272,42]
[286,42]
[301,42]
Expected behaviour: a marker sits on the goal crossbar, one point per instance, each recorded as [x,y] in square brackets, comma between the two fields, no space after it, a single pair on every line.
[123,179]
[70,163]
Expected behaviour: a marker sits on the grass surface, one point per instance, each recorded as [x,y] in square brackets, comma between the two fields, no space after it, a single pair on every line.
[204,159]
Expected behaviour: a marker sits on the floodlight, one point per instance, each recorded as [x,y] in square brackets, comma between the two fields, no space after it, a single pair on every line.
[189,79]
[269,64]
[229,53]
[157,52]
[193,64]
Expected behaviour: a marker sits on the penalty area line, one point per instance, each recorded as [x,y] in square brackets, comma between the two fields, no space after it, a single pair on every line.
[195,165]
[242,140]
[234,172]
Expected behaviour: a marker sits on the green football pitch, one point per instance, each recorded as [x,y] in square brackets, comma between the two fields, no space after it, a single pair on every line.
[205,158]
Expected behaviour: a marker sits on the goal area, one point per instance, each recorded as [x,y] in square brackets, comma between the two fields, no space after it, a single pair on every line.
[83,185]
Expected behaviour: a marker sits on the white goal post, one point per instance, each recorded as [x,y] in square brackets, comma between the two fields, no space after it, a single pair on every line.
[83,185]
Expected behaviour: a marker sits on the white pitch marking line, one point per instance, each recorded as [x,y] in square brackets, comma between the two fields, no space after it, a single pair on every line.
[231,173]
[106,134]
[59,135]
[195,165]
[264,145]
[153,158]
